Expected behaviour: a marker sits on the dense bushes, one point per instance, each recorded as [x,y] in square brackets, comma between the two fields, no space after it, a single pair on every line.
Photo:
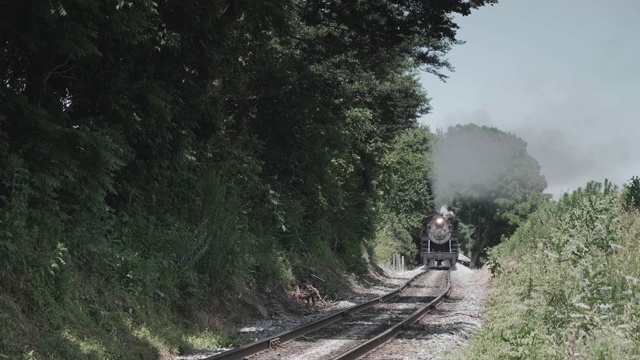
[567,283]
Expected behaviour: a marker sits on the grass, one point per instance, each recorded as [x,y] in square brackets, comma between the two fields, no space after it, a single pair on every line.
[567,284]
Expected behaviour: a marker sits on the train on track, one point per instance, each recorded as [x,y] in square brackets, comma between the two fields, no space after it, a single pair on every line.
[439,241]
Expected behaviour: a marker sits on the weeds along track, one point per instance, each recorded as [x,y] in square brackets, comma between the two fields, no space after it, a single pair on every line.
[355,331]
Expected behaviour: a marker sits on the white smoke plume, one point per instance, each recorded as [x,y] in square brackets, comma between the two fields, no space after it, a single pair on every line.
[446,212]
[472,159]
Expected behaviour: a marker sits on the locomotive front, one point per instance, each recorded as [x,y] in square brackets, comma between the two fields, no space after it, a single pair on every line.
[439,241]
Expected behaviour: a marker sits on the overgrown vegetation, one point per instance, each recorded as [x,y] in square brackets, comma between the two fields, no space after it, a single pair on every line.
[406,195]
[156,154]
[567,282]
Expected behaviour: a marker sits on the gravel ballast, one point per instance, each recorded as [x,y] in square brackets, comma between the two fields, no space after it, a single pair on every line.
[449,326]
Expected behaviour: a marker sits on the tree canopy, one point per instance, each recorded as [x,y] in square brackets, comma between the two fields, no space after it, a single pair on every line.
[120,104]
[406,194]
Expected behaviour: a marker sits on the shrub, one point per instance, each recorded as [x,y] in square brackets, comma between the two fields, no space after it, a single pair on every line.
[571,287]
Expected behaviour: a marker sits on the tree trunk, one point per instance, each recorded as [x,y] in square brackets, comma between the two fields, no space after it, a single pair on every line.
[481,241]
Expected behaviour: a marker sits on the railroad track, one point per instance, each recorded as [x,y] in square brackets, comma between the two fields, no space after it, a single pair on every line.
[358,330]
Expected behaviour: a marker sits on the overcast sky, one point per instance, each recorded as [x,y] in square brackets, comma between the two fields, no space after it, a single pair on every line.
[564,75]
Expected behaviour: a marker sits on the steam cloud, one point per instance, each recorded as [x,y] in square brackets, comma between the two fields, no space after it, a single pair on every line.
[446,212]
[470,159]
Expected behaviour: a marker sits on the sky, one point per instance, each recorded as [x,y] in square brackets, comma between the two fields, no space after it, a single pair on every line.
[563,75]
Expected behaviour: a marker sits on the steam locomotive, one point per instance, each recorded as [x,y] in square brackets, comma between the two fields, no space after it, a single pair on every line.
[439,241]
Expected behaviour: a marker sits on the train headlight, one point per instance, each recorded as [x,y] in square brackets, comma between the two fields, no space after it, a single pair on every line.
[440,221]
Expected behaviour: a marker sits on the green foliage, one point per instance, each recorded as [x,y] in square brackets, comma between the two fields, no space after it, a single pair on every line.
[406,194]
[567,283]
[393,239]
[631,193]
[221,238]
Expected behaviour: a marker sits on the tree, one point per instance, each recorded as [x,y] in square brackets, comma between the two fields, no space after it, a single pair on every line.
[489,178]
[406,193]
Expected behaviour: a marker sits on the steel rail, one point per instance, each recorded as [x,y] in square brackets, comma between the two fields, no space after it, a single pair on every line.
[275,340]
[392,332]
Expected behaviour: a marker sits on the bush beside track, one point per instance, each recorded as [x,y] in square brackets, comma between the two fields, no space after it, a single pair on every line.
[567,282]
